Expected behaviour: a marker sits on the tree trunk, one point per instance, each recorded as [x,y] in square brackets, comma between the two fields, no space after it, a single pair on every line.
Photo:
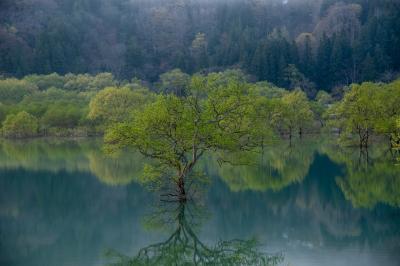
[360,138]
[181,189]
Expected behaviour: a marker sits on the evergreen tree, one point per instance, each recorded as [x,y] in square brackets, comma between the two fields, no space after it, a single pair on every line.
[324,76]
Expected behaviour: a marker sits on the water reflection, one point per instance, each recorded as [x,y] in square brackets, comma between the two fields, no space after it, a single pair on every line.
[370,177]
[184,247]
[64,203]
[278,166]
[72,155]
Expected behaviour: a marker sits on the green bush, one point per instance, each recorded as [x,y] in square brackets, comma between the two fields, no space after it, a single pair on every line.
[13,90]
[63,116]
[21,125]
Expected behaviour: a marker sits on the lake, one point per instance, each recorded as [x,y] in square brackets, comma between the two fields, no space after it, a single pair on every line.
[63,202]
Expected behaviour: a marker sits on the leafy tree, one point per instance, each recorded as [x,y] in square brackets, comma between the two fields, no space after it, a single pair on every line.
[62,115]
[86,82]
[199,50]
[388,99]
[21,125]
[268,90]
[395,139]
[13,90]
[77,82]
[114,104]
[357,113]
[176,132]
[101,81]
[174,81]
[294,113]
[296,79]
[320,106]
[44,82]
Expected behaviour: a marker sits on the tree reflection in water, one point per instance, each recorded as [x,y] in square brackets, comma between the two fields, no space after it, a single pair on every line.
[183,246]
[371,175]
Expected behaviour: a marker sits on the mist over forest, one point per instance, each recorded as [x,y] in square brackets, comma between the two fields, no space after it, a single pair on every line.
[325,43]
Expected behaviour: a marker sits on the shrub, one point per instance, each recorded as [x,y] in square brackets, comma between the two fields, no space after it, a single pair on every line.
[21,125]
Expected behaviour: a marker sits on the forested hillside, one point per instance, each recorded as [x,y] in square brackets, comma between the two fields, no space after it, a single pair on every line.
[311,44]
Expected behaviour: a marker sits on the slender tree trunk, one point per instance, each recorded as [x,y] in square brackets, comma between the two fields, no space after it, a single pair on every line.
[262,145]
[181,189]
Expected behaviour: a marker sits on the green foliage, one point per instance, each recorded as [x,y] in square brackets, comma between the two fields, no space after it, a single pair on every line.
[176,132]
[13,90]
[320,106]
[294,113]
[268,90]
[199,50]
[388,99]
[44,82]
[112,105]
[65,116]
[175,82]
[21,125]
[296,80]
[367,109]
[85,82]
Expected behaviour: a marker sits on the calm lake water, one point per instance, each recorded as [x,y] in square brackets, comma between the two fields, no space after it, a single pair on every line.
[62,202]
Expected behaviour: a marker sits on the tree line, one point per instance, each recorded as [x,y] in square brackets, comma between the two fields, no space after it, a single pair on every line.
[321,44]
[42,105]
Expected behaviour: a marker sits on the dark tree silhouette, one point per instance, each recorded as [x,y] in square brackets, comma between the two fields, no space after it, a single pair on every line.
[184,247]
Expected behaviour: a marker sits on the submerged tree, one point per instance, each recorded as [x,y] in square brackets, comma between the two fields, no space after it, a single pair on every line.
[295,113]
[367,109]
[357,113]
[396,139]
[177,131]
[183,247]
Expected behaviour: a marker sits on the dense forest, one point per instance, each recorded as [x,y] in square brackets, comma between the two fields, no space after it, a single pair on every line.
[311,44]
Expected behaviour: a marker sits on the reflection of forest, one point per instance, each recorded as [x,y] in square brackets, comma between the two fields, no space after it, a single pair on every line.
[71,156]
[368,178]
[278,166]
[313,213]
[49,218]
[50,184]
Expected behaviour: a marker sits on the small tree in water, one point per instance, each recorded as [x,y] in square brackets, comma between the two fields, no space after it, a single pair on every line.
[216,115]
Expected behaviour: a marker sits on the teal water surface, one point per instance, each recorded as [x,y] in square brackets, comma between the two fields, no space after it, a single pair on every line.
[63,202]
